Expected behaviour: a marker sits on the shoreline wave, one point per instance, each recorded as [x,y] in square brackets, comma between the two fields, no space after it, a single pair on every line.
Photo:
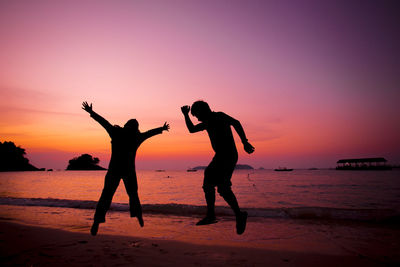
[323,213]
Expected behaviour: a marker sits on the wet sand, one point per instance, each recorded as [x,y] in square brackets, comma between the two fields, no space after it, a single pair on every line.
[25,245]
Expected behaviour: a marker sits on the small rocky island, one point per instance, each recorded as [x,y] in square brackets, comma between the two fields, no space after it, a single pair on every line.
[84,162]
[12,158]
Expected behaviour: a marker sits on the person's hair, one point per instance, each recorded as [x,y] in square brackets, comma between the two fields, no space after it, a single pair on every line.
[200,107]
[132,124]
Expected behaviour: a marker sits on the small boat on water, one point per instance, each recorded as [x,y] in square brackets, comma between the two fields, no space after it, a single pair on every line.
[284,169]
[191,170]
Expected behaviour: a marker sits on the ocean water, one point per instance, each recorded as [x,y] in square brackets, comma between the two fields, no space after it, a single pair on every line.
[300,194]
[330,211]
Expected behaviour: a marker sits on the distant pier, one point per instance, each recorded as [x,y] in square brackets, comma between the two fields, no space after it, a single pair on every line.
[363,164]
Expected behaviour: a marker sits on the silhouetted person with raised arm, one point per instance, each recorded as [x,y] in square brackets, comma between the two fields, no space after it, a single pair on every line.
[124,143]
[219,171]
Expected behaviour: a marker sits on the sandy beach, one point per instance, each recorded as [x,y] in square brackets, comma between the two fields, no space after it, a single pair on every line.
[47,223]
[25,245]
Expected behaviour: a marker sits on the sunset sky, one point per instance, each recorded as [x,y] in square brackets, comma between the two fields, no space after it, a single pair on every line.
[310,81]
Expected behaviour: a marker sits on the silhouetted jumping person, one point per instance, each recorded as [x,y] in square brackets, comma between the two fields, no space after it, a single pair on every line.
[124,143]
[219,171]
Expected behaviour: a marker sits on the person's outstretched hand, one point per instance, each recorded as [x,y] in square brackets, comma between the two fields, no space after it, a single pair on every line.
[185,110]
[165,126]
[87,107]
[248,147]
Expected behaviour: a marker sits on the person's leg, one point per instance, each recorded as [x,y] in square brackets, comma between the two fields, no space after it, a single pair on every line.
[225,168]
[134,203]
[241,217]
[224,189]
[230,198]
[111,183]
[209,193]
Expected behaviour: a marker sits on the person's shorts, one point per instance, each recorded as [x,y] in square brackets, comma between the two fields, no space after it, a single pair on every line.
[219,171]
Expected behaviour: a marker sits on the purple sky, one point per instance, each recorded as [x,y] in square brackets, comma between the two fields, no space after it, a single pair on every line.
[311,81]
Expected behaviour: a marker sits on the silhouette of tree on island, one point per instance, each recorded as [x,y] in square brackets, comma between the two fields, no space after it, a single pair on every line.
[84,162]
[219,171]
[12,158]
[124,143]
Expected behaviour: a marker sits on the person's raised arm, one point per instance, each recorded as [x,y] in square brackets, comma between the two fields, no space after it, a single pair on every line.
[103,122]
[189,124]
[239,129]
[155,131]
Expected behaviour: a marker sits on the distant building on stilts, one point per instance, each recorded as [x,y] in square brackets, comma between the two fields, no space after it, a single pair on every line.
[363,164]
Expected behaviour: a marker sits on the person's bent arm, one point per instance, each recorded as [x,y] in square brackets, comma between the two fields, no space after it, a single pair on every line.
[103,122]
[189,124]
[239,129]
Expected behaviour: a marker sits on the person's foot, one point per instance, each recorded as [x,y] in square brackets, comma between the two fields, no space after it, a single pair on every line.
[207,220]
[241,223]
[140,219]
[94,229]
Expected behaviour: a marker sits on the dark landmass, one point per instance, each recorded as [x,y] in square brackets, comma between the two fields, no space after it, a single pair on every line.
[199,168]
[84,162]
[238,167]
[12,158]
[243,167]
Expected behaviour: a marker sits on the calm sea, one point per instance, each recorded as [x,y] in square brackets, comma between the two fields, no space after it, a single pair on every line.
[320,194]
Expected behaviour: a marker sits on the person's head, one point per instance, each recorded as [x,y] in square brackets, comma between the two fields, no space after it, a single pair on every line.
[132,125]
[201,110]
